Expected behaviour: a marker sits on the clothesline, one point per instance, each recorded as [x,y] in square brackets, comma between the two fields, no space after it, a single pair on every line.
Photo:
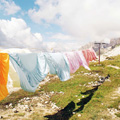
[34,67]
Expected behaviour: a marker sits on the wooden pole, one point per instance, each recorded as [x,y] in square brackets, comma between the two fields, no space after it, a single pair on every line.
[99,49]
[99,53]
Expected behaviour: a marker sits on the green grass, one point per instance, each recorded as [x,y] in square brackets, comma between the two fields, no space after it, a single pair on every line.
[89,102]
[15,97]
[115,104]
[93,105]
[19,114]
[118,114]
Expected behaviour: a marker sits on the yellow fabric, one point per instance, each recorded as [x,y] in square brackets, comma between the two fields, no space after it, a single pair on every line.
[4,68]
[14,76]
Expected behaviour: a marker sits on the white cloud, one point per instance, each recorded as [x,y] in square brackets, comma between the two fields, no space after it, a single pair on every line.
[61,46]
[60,36]
[47,11]
[85,20]
[16,33]
[9,7]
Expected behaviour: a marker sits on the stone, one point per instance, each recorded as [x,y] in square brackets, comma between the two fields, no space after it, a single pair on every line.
[1,117]
[119,107]
[79,115]
[27,98]
[73,112]
[16,111]
[76,95]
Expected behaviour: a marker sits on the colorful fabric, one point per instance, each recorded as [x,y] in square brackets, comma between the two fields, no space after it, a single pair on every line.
[13,75]
[86,56]
[93,53]
[73,61]
[58,65]
[31,68]
[4,68]
[81,59]
[89,55]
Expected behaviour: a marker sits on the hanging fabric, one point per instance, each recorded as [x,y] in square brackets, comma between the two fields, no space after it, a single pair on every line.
[82,62]
[31,68]
[4,68]
[89,55]
[73,61]
[58,65]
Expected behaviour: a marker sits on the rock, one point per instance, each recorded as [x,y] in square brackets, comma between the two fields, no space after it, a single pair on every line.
[52,92]
[10,104]
[61,92]
[96,74]
[79,115]
[28,109]
[16,111]
[27,98]
[46,102]
[76,95]
[1,117]
[73,112]
[108,80]
[119,107]
[7,106]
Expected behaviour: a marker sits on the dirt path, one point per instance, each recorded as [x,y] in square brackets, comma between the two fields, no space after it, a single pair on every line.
[116,67]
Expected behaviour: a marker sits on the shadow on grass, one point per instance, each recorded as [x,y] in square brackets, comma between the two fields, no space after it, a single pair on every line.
[67,112]
[63,114]
[84,101]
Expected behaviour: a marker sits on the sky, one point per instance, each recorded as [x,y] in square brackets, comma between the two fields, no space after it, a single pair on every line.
[60,25]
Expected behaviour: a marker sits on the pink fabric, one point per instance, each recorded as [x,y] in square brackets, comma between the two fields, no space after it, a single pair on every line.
[89,55]
[93,53]
[85,53]
[81,59]
[76,59]
[73,61]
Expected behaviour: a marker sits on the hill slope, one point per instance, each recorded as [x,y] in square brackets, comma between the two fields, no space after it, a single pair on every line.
[83,97]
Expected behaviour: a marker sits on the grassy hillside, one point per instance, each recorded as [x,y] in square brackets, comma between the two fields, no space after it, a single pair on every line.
[90,102]
[81,98]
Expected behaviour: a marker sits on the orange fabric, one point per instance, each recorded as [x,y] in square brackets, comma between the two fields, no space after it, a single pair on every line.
[4,68]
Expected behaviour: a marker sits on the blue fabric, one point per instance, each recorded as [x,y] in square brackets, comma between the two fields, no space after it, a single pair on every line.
[59,65]
[31,68]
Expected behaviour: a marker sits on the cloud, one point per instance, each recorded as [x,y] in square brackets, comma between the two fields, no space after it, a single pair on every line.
[62,37]
[42,14]
[62,47]
[16,33]
[9,7]
[85,20]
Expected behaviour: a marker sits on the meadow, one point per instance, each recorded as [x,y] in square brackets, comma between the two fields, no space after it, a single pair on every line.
[81,98]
